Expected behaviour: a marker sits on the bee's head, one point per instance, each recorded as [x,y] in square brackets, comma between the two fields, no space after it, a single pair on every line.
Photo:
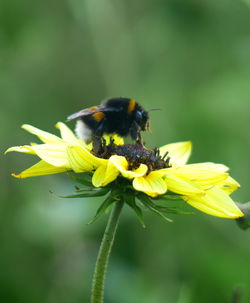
[142,119]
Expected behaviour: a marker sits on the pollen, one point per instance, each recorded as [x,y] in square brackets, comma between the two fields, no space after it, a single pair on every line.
[135,154]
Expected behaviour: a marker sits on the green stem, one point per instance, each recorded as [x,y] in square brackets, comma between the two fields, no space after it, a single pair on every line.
[104,252]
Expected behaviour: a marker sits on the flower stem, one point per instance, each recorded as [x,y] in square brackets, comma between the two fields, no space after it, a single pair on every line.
[104,252]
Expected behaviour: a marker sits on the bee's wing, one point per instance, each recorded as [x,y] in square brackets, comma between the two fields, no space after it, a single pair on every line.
[83,113]
[90,111]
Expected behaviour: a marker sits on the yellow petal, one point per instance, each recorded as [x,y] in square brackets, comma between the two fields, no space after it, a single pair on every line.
[117,139]
[216,203]
[182,187]
[67,135]
[121,164]
[213,166]
[81,160]
[42,135]
[105,174]
[203,175]
[20,149]
[40,169]
[55,155]
[179,153]
[229,185]
[152,184]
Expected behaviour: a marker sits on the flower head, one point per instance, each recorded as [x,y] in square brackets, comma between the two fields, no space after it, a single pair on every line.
[149,173]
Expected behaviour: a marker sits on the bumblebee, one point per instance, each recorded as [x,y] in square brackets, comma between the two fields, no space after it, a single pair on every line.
[121,116]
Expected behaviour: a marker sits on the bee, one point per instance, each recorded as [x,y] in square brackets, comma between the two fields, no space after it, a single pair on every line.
[121,116]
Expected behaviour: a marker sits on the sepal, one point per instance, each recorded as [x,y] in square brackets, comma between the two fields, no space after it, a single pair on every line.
[130,200]
[84,178]
[170,209]
[87,193]
[104,206]
[170,197]
[148,203]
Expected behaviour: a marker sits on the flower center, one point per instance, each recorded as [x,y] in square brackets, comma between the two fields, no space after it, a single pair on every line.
[135,154]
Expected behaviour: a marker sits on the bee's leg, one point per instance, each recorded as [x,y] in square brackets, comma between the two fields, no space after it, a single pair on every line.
[97,144]
[135,133]
[139,140]
[97,139]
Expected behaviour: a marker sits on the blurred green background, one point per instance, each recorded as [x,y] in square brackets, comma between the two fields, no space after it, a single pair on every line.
[191,59]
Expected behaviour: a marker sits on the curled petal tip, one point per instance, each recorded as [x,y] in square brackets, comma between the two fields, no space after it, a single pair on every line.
[16,176]
[7,151]
[239,216]
[235,215]
[24,126]
[59,124]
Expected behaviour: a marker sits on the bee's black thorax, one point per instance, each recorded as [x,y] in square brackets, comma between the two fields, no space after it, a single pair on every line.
[122,116]
[120,120]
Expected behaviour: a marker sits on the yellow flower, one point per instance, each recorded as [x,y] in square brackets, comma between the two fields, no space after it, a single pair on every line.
[205,186]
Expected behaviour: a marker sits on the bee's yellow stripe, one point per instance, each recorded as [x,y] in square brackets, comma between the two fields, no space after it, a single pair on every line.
[131,106]
[98,116]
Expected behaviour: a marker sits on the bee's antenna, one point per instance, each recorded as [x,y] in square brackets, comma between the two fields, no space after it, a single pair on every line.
[152,109]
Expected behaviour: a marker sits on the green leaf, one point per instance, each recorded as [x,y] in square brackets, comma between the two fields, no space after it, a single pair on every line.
[130,200]
[84,179]
[104,206]
[244,222]
[150,205]
[86,194]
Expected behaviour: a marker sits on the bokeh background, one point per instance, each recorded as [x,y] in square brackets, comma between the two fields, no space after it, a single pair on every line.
[189,58]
